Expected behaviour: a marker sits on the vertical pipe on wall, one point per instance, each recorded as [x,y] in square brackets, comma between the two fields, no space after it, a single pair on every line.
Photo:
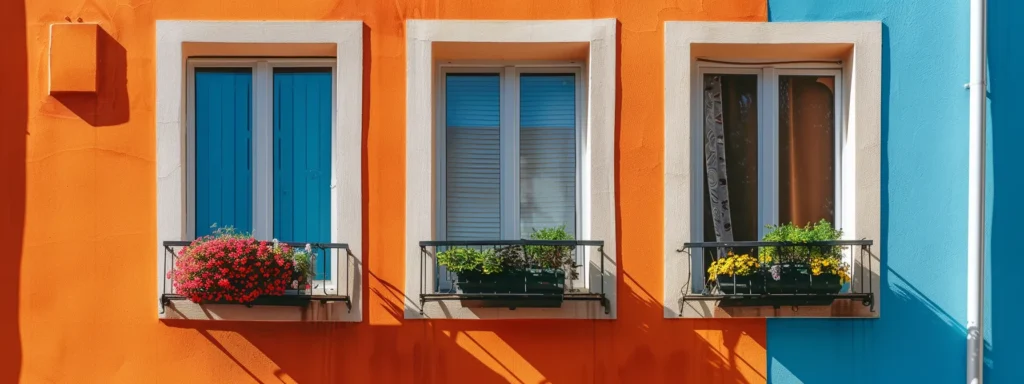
[976,197]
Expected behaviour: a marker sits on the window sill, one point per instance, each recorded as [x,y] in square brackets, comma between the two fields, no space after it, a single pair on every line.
[711,307]
[536,292]
[297,308]
[858,305]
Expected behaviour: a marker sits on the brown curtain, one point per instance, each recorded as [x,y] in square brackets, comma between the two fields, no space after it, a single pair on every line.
[806,149]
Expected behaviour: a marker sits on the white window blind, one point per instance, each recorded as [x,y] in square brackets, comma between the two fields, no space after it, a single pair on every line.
[510,156]
[472,155]
[547,151]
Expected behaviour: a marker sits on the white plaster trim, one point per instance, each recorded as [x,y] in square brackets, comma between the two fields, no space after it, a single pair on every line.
[346,199]
[861,162]
[597,162]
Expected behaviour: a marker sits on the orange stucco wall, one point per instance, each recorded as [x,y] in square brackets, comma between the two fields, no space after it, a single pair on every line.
[77,220]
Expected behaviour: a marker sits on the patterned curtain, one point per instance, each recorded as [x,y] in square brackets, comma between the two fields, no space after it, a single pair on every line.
[714,159]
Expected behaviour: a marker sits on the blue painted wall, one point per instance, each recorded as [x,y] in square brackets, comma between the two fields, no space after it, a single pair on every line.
[1004,332]
[920,337]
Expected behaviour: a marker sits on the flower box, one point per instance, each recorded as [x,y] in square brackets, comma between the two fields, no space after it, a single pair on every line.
[826,283]
[545,281]
[479,282]
[787,278]
[233,268]
[797,278]
[534,288]
[740,285]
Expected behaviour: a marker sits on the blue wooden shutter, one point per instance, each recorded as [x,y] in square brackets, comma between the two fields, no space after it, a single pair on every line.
[302,158]
[223,153]
[472,154]
[547,152]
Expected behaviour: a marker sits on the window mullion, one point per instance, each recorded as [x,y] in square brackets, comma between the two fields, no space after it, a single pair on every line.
[263,152]
[509,144]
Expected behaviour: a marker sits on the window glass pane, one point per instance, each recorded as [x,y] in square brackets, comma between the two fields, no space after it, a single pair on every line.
[223,129]
[302,157]
[547,152]
[806,149]
[730,137]
[472,156]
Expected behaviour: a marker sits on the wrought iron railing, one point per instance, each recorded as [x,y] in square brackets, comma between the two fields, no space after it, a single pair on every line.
[533,273]
[317,291]
[782,273]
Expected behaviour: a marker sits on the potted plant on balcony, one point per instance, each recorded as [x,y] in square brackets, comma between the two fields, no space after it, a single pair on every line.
[481,270]
[513,269]
[800,266]
[231,267]
[737,274]
[304,262]
[550,265]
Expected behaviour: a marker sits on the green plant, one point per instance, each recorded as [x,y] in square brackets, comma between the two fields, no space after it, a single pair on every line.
[553,256]
[304,270]
[461,260]
[733,265]
[797,236]
[514,257]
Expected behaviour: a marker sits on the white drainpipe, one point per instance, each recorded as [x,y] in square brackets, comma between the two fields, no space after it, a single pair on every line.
[976,199]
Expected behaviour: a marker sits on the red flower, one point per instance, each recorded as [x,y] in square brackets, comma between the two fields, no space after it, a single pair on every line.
[221,268]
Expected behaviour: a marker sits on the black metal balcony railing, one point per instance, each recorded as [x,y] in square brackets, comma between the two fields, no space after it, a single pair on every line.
[525,281]
[297,297]
[784,274]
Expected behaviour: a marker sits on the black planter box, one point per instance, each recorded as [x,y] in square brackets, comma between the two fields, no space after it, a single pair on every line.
[545,281]
[478,282]
[534,288]
[826,283]
[797,278]
[740,285]
[793,278]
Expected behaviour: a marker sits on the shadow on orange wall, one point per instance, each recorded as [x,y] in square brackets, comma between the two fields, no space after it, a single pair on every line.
[365,171]
[14,128]
[109,105]
[453,351]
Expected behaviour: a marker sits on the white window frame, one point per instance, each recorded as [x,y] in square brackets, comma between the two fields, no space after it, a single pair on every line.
[509,133]
[262,144]
[299,38]
[856,47]
[597,154]
[768,142]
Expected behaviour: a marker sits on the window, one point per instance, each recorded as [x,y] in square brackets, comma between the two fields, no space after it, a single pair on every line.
[523,192]
[800,127]
[260,137]
[770,149]
[338,45]
[509,146]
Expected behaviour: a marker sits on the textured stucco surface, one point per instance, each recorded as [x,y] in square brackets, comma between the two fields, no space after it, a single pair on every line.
[78,221]
[920,337]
